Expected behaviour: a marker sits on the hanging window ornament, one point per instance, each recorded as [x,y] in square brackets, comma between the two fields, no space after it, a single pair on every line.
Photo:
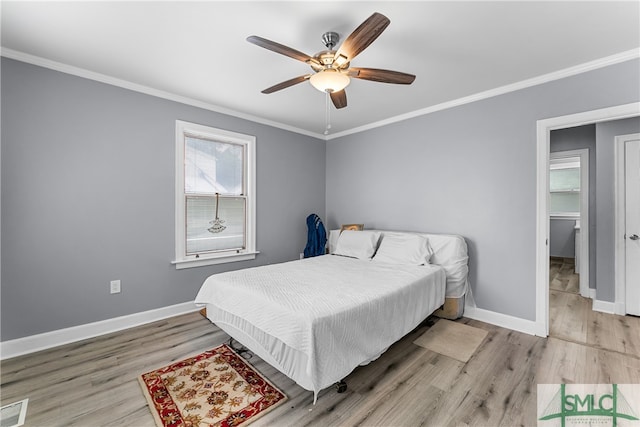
[216,224]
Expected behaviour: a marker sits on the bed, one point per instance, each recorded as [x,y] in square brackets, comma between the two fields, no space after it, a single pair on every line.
[317,319]
[450,252]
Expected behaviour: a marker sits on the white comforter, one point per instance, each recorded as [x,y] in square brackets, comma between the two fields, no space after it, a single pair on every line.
[338,311]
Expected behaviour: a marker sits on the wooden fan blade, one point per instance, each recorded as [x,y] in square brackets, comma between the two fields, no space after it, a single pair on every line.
[286,84]
[382,76]
[339,98]
[363,36]
[280,48]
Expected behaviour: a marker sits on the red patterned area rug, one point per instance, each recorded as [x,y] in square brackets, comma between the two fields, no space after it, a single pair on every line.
[215,388]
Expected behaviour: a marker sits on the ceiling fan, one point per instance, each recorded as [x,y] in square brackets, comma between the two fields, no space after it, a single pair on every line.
[332,70]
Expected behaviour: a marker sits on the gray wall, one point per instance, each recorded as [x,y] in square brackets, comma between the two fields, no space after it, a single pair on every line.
[88,196]
[605,211]
[562,238]
[560,229]
[469,170]
[80,159]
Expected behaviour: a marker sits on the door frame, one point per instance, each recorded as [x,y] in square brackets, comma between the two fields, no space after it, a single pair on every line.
[620,222]
[543,135]
[583,155]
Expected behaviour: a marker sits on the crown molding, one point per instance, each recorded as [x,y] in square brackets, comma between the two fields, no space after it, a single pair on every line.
[125,84]
[545,78]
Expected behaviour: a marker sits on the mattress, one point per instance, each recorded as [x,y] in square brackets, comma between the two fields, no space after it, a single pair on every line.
[318,318]
[449,251]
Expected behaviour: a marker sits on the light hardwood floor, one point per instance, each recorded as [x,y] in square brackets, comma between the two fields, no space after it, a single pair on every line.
[571,316]
[94,382]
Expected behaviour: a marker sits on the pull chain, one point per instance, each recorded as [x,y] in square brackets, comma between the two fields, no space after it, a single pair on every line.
[216,224]
[327,114]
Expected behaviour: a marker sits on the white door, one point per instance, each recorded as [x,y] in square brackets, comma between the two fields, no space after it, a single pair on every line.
[632,226]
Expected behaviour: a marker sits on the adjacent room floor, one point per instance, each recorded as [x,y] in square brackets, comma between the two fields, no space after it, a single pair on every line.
[571,316]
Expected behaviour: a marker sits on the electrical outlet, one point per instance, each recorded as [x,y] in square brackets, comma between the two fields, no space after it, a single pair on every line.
[115,286]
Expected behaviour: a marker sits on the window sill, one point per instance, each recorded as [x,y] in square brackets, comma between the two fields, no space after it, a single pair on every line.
[219,259]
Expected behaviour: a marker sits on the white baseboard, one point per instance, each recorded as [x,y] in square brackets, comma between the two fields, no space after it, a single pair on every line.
[503,320]
[604,306]
[33,343]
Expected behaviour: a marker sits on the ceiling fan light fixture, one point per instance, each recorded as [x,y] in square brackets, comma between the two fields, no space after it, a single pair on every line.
[329,80]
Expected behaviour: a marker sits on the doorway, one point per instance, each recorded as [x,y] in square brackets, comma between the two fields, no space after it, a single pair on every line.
[569,210]
[569,225]
[627,213]
[544,128]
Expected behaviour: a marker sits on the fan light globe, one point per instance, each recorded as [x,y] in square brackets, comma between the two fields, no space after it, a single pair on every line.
[329,80]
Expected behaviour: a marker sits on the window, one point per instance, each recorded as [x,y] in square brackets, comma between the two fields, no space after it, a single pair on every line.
[215,196]
[564,187]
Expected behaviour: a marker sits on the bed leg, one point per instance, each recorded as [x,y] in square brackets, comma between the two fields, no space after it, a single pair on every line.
[240,349]
[341,386]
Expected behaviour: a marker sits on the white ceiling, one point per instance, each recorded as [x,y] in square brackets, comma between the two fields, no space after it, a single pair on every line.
[198,50]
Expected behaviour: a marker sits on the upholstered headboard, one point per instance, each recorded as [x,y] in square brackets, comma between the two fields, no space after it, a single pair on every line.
[449,252]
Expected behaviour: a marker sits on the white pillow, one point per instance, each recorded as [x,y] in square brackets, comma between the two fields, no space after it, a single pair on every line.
[357,244]
[405,249]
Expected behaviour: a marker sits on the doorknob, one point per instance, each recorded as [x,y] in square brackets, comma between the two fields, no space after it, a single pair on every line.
[634,237]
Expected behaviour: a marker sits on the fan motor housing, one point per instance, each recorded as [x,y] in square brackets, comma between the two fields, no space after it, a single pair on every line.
[326,60]
[325,57]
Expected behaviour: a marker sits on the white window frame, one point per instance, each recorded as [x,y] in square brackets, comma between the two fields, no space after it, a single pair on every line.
[182,260]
